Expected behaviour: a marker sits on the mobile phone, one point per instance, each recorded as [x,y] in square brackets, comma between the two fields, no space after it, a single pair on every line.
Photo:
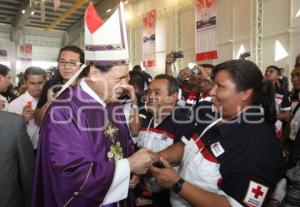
[192,65]
[158,164]
[178,54]
[192,68]
[29,104]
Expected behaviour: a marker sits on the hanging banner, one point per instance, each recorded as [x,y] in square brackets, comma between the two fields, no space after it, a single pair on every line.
[25,52]
[3,55]
[206,47]
[56,4]
[149,48]
[6,50]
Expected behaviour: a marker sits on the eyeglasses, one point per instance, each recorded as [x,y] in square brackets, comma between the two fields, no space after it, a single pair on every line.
[71,63]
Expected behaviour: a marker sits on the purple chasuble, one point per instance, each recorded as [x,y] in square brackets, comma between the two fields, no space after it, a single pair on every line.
[72,166]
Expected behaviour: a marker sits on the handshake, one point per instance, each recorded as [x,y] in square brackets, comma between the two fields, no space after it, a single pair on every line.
[141,161]
[144,160]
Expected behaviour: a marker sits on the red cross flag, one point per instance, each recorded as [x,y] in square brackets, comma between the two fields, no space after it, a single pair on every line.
[256,194]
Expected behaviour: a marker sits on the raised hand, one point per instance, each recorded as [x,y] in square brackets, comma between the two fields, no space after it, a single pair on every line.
[131,93]
[170,58]
[27,113]
[184,73]
[2,104]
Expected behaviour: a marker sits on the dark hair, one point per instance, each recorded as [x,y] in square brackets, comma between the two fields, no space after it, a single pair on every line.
[137,80]
[73,49]
[86,70]
[207,65]
[34,71]
[275,68]
[137,68]
[246,75]
[297,61]
[172,82]
[4,70]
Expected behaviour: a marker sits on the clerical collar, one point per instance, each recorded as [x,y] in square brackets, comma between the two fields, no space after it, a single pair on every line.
[85,87]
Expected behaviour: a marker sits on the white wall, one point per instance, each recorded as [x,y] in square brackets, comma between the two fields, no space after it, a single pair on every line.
[235,26]
[45,47]
[175,31]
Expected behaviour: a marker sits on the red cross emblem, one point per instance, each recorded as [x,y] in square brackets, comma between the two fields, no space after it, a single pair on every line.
[257,192]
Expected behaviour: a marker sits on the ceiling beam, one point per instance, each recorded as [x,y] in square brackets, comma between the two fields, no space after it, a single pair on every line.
[50,19]
[73,8]
[73,32]
[34,25]
[49,9]
[8,12]
[21,20]
[9,7]
[15,1]
[54,16]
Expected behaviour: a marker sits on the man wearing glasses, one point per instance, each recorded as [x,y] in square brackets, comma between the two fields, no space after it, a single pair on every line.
[69,60]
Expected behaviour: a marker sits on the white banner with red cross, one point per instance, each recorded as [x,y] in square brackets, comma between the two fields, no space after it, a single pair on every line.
[149,36]
[25,52]
[205,17]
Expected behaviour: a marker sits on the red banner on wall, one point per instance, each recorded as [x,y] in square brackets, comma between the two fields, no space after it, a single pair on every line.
[206,13]
[149,36]
[25,52]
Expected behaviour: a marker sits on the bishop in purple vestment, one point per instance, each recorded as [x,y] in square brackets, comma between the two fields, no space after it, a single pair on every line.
[84,143]
[85,155]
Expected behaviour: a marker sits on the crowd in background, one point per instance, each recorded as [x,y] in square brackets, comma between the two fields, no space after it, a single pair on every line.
[174,115]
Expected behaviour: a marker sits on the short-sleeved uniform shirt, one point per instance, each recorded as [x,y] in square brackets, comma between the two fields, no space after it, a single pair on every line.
[282,103]
[250,160]
[169,131]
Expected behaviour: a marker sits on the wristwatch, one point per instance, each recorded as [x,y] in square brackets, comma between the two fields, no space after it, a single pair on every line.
[176,188]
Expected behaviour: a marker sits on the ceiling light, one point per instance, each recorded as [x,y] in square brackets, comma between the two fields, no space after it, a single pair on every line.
[298,14]
[32,13]
[23,11]
[108,10]
[128,16]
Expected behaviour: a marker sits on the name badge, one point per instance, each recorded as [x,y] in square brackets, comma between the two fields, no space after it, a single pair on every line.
[217,149]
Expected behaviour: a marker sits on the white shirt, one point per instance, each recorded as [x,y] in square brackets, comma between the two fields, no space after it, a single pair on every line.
[2,98]
[120,185]
[17,105]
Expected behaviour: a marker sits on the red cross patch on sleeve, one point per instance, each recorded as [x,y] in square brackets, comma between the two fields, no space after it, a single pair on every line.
[256,194]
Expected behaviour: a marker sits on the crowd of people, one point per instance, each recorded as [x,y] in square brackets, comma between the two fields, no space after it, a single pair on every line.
[214,134]
[97,134]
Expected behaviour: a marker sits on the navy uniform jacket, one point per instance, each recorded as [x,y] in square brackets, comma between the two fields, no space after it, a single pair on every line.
[176,125]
